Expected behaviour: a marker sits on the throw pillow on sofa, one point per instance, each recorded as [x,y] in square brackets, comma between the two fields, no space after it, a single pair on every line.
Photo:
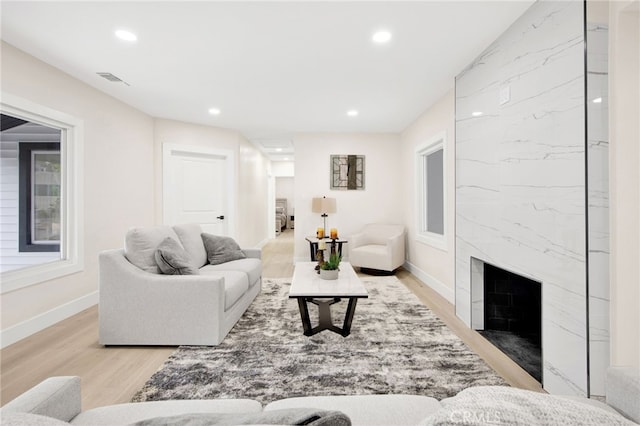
[172,259]
[481,405]
[221,249]
[297,416]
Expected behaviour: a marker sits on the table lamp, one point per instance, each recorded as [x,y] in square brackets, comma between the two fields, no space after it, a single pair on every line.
[323,205]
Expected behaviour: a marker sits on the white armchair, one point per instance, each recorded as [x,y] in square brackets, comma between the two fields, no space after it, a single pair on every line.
[378,246]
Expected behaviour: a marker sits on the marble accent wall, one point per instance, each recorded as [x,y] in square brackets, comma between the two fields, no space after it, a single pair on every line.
[520,176]
[598,201]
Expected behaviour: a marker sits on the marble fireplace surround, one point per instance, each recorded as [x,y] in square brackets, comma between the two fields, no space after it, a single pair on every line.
[521,185]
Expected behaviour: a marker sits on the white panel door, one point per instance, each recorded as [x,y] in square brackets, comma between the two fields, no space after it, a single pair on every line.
[196,190]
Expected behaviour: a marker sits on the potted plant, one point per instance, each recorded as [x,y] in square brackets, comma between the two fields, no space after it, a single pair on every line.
[329,269]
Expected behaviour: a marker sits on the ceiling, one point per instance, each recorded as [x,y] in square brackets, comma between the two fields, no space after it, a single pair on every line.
[273,69]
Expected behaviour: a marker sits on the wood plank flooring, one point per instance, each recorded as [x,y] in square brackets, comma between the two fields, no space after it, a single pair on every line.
[112,375]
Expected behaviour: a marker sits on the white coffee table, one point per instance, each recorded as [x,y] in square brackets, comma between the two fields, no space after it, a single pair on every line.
[308,287]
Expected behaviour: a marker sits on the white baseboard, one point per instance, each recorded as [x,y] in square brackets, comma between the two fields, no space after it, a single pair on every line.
[31,326]
[441,288]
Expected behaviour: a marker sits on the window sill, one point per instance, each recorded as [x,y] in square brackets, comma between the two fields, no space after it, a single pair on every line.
[25,277]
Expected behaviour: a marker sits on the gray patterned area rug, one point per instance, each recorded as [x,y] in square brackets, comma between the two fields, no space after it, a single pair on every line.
[397,345]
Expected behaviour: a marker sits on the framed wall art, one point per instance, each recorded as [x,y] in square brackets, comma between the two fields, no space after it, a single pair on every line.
[347,172]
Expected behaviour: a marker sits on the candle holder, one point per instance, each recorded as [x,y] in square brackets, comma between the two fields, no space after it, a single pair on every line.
[320,258]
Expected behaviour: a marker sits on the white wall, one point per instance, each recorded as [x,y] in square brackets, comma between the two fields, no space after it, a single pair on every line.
[253,196]
[283,168]
[624,110]
[381,201]
[118,185]
[432,265]
[250,178]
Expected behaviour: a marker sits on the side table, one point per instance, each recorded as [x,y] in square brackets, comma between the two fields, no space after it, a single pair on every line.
[313,245]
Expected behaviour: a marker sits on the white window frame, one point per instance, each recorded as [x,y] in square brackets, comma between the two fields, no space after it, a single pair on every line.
[72,217]
[434,144]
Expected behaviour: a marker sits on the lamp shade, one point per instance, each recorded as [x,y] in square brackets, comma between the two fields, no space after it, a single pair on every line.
[323,205]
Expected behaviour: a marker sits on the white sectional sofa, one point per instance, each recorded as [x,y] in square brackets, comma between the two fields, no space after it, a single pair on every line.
[57,401]
[138,305]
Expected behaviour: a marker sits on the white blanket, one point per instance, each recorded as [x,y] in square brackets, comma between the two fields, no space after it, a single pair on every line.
[500,405]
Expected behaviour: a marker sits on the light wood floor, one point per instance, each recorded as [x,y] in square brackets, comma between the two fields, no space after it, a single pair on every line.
[112,375]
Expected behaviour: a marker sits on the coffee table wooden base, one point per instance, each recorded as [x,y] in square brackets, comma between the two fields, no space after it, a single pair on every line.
[308,287]
[324,315]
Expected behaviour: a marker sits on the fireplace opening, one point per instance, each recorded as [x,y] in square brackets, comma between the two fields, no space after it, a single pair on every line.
[513,317]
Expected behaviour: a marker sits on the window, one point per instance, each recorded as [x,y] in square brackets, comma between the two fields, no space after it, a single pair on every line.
[41,236]
[430,192]
[39,196]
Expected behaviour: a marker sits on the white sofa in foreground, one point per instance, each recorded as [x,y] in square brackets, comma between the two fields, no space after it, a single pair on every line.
[138,305]
[57,400]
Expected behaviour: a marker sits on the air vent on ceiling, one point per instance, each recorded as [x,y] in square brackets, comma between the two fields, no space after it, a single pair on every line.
[111,77]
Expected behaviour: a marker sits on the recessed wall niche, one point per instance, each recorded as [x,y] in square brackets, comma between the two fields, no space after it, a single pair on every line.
[523,186]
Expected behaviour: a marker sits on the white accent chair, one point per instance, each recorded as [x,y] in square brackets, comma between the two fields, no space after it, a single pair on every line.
[378,246]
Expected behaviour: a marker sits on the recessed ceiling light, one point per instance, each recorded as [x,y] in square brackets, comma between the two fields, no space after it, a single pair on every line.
[597,100]
[214,111]
[352,113]
[476,113]
[126,35]
[278,149]
[381,36]
[286,158]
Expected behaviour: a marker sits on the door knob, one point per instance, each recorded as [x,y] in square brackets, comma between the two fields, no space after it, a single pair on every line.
[220,217]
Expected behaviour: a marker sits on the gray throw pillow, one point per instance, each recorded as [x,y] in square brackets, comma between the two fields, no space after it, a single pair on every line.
[221,249]
[293,416]
[172,259]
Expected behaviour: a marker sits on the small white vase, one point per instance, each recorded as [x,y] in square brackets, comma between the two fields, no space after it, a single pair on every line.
[327,274]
